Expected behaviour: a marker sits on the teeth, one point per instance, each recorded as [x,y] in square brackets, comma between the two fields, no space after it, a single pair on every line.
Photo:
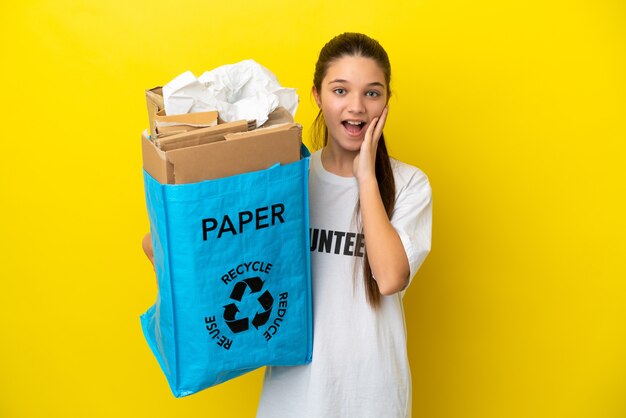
[354,123]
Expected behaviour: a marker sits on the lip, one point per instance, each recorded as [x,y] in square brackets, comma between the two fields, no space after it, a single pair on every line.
[354,134]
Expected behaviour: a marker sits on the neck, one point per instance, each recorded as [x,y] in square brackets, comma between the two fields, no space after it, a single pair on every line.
[338,162]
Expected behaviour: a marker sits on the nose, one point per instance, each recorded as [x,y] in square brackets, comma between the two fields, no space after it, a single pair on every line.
[356,104]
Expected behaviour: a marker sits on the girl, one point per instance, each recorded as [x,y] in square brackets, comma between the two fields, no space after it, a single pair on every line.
[370,219]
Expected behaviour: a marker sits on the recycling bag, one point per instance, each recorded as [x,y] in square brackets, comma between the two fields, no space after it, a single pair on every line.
[232,262]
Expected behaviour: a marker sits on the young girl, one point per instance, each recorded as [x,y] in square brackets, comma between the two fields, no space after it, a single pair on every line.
[370,219]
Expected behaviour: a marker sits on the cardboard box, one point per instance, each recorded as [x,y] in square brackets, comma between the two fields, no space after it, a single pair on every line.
[277,141]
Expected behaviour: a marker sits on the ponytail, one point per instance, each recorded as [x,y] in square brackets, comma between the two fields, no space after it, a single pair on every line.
[357,44]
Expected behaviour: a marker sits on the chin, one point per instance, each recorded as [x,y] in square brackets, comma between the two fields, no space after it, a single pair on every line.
[347,143]
[351,146]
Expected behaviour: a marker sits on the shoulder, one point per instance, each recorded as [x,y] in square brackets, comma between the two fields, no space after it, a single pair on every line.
[410,179]
[315,160]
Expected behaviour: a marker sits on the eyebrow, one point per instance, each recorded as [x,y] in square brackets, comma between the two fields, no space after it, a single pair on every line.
[340,80]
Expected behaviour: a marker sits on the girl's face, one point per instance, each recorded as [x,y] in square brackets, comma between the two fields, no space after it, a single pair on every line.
[352,93]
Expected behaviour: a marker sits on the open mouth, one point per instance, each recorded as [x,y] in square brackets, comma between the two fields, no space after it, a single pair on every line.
[353,127]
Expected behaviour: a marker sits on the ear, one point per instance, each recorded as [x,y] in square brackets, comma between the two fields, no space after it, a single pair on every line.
[318,99]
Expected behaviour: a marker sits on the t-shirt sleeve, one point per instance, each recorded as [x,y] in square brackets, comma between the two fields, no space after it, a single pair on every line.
[412,217]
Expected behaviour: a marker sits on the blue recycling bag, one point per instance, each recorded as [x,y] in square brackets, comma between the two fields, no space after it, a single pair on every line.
[233,268]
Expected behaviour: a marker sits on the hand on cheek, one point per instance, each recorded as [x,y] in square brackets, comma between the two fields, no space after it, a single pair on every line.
[364,164]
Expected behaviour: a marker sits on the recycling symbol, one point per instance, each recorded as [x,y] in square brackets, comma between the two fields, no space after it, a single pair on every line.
[266,300]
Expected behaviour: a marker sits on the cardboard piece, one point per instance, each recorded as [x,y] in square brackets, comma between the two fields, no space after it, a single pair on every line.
[202,119]
[156,111]
[169,125]
[162,124]
[154,100]
[277,142]
[200,136]
[279,115]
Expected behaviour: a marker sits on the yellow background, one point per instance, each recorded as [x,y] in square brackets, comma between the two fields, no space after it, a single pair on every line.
[515,110]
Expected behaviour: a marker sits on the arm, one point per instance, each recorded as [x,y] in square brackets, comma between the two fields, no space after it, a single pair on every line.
[387,257]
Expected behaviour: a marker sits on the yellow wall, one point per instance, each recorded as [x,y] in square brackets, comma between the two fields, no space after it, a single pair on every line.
[516,111]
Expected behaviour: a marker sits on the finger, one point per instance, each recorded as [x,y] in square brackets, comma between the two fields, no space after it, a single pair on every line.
[369,134]
[380,123]
[368,142]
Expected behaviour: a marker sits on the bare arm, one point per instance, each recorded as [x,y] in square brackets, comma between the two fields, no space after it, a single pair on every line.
[387,257]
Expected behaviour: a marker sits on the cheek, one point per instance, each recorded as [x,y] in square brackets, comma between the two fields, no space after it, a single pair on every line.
[377,108]
[331,110]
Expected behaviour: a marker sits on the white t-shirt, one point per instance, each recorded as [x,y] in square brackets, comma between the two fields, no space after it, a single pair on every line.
[360,366]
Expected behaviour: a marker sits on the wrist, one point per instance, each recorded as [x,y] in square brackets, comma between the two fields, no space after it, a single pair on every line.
[367,180]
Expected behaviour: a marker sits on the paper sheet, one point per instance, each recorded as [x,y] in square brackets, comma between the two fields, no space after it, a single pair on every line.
[245,90]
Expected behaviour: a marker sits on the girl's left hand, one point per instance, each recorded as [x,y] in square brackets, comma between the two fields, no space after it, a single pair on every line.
[364,164]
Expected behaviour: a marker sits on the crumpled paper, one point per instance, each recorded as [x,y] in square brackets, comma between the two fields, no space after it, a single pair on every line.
[245,90]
